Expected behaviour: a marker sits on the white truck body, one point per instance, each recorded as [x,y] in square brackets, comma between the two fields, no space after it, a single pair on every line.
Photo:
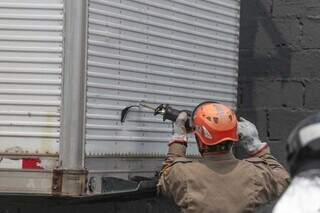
[68,68]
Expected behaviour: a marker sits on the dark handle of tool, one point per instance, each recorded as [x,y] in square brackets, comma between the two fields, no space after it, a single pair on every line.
[172,114]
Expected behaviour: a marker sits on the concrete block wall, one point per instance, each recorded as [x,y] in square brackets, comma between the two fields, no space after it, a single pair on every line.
[279,66]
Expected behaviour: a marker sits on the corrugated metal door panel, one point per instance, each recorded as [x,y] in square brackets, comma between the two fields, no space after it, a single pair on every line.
[31,49]
[179,52]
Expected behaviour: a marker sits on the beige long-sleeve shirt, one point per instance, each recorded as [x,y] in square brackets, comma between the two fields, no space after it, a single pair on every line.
[221,183]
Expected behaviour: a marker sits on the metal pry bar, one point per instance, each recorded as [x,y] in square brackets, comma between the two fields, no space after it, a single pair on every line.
[126,110]
[145,105]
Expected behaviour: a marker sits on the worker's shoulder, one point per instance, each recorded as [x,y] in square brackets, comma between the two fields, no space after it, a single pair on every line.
[181,160]
[177,167]
[182,163]
[258,166]
[254,160]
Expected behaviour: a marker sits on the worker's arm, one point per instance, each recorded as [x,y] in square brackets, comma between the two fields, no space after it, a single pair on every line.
[276,175]
[170,183]
[178,142]
[280,178]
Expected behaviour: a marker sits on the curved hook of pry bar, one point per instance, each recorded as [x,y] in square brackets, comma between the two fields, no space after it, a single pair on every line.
[125,112]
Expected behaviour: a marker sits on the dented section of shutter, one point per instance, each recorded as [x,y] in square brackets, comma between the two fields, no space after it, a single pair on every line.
[176,52]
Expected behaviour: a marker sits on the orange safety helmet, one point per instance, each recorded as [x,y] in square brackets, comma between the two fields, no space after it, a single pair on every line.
[214,123]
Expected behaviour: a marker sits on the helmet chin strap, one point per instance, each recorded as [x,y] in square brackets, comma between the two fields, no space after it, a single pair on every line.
[201,150]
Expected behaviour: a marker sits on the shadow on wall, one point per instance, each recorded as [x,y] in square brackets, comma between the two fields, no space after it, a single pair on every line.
[264,64]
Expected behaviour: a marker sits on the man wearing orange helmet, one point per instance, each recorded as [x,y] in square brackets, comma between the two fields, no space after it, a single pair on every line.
[219,182]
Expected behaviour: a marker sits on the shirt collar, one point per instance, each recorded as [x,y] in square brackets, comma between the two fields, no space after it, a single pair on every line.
[219,156]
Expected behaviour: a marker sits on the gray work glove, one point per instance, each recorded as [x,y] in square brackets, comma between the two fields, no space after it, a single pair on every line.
[249,137]
[179,129]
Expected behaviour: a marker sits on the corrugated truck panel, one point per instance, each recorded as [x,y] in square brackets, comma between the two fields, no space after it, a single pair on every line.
[176,52]
[31,52]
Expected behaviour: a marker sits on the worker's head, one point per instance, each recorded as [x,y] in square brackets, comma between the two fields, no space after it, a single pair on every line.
[303,145]
[215,127]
